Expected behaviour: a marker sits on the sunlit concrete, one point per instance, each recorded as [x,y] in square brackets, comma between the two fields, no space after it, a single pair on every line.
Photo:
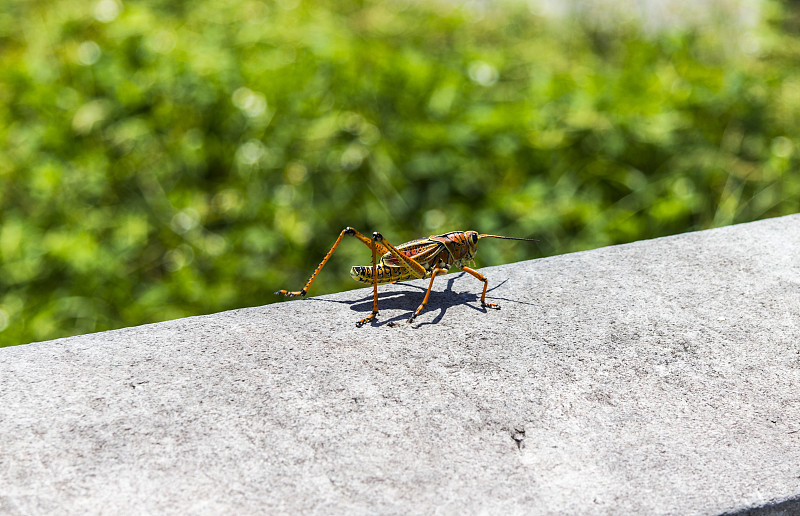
[659,377]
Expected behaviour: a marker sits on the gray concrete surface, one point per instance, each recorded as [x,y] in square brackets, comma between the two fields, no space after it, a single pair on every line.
[659,377]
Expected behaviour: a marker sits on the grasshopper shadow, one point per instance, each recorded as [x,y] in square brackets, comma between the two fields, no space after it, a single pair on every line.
[409,299]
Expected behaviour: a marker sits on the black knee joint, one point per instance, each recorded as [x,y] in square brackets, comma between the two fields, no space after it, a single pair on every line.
[377,237]
[349,231]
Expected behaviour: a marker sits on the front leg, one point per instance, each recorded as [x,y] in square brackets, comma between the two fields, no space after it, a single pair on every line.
[485,284]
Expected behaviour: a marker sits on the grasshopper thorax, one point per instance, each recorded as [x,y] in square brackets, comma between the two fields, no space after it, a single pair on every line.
[461,245]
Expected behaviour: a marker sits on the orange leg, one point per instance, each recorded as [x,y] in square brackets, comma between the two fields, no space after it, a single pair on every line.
[415,268]
[346,231]
[378,246]
[374,313]
[485,284]
[435,272]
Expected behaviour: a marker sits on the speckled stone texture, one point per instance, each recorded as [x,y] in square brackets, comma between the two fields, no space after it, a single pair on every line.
[659,377]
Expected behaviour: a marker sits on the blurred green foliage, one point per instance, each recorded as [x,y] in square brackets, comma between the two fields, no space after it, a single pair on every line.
[165,159]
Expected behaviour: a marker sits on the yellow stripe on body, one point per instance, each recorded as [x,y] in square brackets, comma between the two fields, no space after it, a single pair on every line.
[386,274]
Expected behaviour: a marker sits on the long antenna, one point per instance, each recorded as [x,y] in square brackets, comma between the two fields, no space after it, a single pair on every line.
[508,238]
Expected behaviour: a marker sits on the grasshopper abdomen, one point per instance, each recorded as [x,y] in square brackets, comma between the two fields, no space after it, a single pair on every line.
[384,274]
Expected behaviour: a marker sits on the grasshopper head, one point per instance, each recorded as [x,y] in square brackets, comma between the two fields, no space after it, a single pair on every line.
[472,242]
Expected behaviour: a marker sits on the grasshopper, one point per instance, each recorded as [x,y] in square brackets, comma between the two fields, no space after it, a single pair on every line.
[417,259]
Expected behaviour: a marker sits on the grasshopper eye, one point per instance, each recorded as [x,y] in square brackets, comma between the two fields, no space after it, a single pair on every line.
[474,238]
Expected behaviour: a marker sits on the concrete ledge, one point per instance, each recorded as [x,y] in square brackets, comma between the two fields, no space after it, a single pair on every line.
[659,377]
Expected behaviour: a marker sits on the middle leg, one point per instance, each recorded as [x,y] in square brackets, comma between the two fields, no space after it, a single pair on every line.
[435,272]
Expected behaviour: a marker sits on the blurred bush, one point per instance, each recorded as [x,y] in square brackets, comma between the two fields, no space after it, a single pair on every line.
[165,159]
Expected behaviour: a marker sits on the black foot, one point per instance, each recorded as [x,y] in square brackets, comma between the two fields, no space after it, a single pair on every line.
[365,320]
[286,293]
